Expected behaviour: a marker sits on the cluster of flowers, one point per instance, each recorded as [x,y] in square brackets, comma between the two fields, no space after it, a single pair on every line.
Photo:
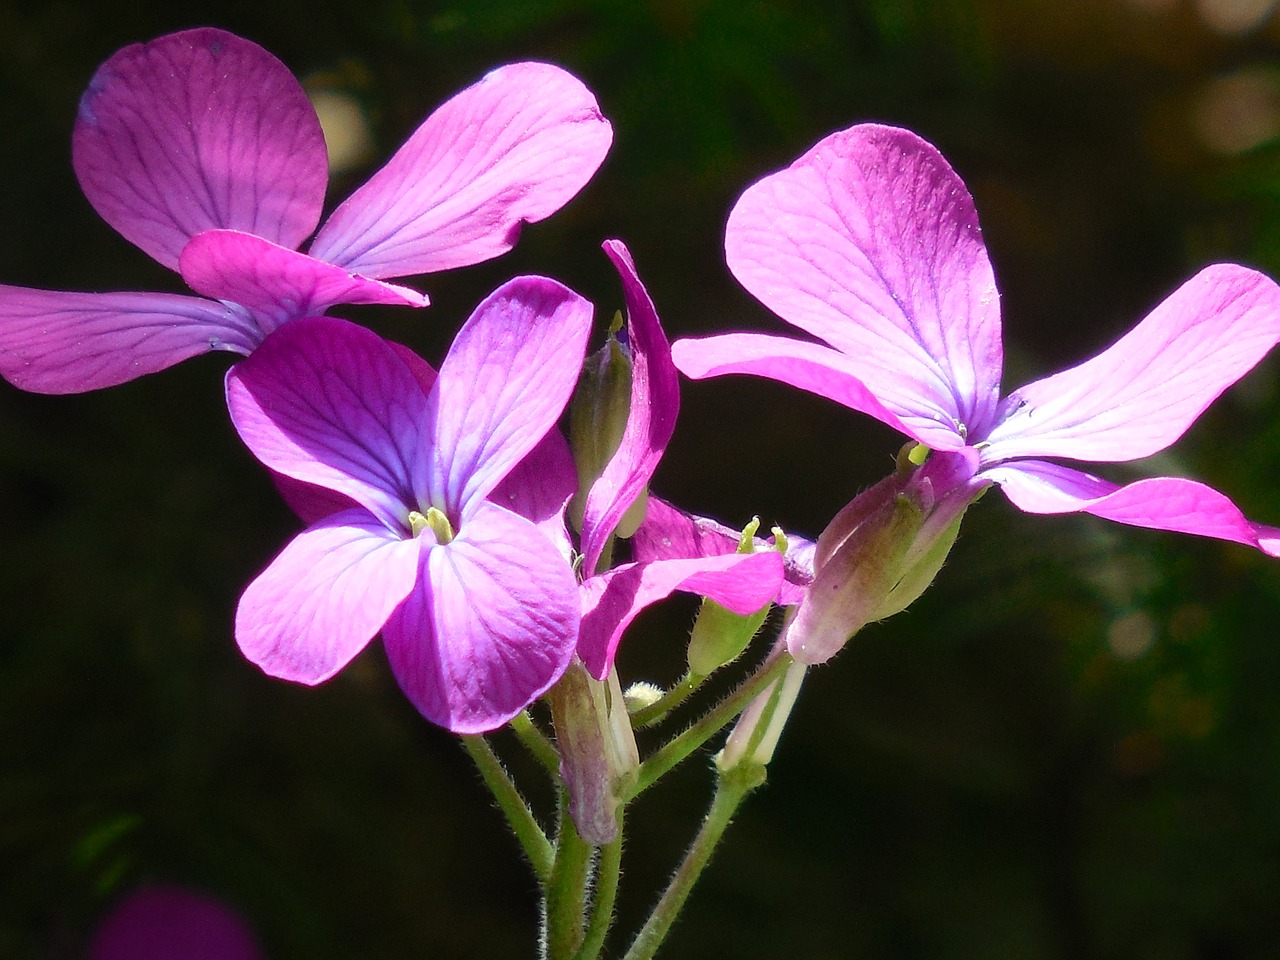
[437,500]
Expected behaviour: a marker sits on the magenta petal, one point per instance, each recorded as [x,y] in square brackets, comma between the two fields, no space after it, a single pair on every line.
[325,596]
[870,241]
[655,402]
[491,626]
[1140,394]
[312,503]
[276,283]
[504,384]
[330,403]
[812,367]
[1159,503]
[195,131]
[669,533]
[742,582]
[539,487]
[511,149]
[56,342]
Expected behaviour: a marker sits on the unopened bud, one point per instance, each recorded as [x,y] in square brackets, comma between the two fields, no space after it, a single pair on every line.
[598,418]
[598,754]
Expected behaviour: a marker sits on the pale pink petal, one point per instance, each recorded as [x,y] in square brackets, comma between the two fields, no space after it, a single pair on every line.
[808,366]
[870,241]
[504,384]
[195,131]
[741,582]
[275,282]
[1159,503]
[1139,395]
[56,342]
[491,626]
[669,533]
[511,149]
[655,402]
[330,403]
[325,596]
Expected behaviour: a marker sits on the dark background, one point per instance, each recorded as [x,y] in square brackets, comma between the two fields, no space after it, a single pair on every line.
[1069,748]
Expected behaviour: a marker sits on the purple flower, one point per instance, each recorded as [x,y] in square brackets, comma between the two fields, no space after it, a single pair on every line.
[478,608]
[870,242]
[611,600]
[173,923]
[202,149]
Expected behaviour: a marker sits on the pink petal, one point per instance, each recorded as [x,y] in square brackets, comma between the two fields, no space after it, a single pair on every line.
[275,282]
[511,149]
[1159,503]
[503,385]
[539,487]
[491,626]
[742,582]
[668,532]
[809,366]
[333,404]
[312,503]
[324,597]
[870,241]
[1140,394]
[195,131]
[55,342]
[309,502]
[655,402]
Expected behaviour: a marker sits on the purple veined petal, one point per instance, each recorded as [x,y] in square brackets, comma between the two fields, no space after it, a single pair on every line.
[58,342]
[491,626]
[651,420]
[539,487]
[870,241]
[196,131]
[808,366]
[1158,503]
[1140,394]
[326,595]
[504,384]
[741,582]
[278,284]
[328,402]
[669,533]
[312,503]
[511,149]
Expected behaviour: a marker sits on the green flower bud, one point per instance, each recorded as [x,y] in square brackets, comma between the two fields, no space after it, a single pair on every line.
[598,418]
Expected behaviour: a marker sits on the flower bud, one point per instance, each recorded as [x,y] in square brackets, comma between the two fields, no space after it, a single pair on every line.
[598,754]
[598,418]
[883,550]
[755,734]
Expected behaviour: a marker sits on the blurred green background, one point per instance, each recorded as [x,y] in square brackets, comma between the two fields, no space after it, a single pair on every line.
[1069,748]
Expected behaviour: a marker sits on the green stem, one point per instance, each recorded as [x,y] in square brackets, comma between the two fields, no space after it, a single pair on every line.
[662,760]
[565,893]
[606,894]
[537,743]
[731,790]
[523,823]
[647,716]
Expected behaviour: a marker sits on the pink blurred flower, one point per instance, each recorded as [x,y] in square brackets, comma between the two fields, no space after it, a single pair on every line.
[202,149]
